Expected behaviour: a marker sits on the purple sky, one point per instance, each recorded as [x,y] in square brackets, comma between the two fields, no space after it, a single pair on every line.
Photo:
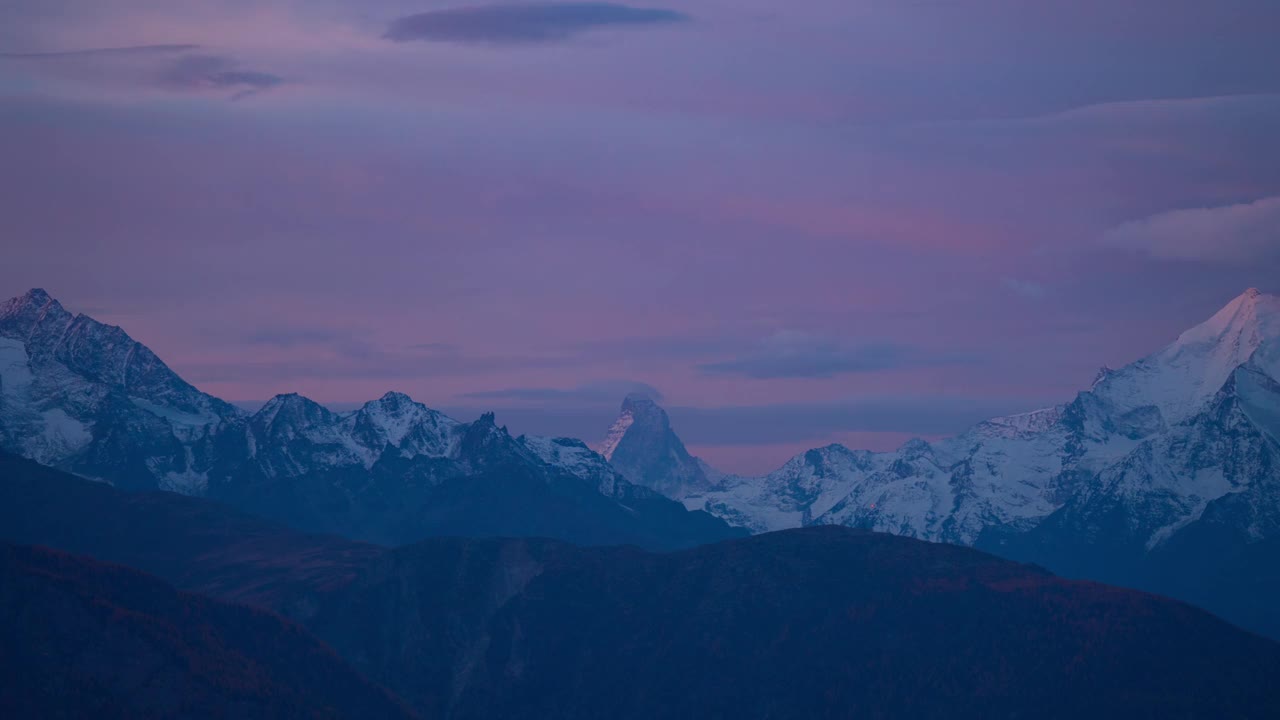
[799,223]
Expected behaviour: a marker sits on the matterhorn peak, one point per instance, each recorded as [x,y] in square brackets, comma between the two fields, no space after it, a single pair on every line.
[642,403]
[642,446]
[638,410]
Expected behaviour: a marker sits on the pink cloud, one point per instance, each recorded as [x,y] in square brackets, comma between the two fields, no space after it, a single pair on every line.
[1231,233]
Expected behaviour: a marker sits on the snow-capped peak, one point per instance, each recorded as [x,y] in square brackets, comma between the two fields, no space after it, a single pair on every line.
[24,314]
[1243,323]
[33,298]
[291,410]
[1181,378]
[395,416]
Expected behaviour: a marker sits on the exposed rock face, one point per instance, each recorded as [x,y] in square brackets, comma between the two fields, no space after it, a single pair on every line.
[1159,440]
[1165,474]
[642,446]
[85,397]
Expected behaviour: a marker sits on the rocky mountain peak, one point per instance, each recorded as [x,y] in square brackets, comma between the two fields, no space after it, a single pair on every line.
[639,414]
[1247,320]
[393,399]
[643,447]
[22,316]
[1181,378]
[642,404]
[292,410]
[35,297]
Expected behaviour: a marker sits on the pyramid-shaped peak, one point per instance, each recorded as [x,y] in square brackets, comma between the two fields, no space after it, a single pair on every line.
[395,399]
[1252,316]
[289,400]
[37,295]
[291,408]
[639,399]
[1179,379]
[643,447]
[29,304]
[643,407]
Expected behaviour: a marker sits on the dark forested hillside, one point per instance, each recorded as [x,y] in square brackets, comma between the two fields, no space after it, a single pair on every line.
[193,543]
[83,639]
[818,622]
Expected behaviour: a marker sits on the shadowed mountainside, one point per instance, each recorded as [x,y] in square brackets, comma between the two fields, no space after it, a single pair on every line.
[816,622]
[80,638]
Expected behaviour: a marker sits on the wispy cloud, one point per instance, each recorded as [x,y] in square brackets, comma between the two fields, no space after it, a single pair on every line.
[102,52]
[175,67]
[524,24]
[215,72]
[1229,233]
[791,354]
[604,392]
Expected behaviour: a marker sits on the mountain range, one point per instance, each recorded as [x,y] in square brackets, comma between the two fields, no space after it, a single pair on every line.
[823,622]
[1165,474]
[85,397]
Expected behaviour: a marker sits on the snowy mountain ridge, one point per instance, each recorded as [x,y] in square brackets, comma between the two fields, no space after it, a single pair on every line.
[1170,414]
[85,397]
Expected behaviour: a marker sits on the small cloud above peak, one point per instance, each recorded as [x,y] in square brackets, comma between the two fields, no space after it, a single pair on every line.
[523,24]
[1241,233]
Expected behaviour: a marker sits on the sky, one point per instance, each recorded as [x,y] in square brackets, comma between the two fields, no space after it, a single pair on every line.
[795,223]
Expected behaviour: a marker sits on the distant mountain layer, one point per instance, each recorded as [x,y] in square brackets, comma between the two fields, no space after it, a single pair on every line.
[1165,475]
[1218,378]
[85,397]
[823,622]
[196,544]
[81,639]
